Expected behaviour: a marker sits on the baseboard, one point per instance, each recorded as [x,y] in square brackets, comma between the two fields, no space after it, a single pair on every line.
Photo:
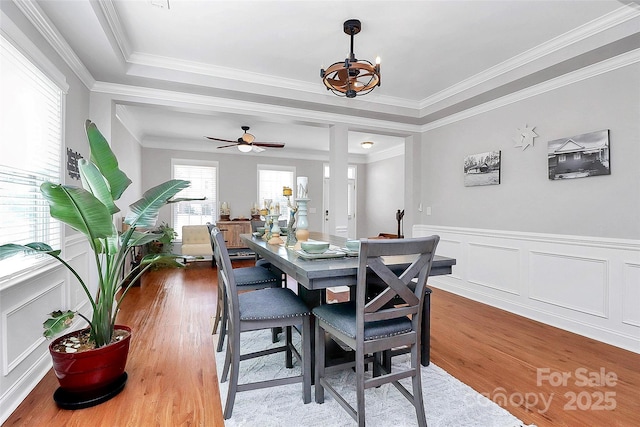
[19,390]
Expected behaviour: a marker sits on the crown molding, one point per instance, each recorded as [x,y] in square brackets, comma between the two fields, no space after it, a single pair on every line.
[157,62]
[115,25]
[204,147]
[43,24]
[122,114]
[210,103]
[588,72]
[585,31]
[385,154]
[26,47]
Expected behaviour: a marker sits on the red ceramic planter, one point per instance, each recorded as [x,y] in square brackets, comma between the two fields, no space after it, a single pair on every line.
[93,369]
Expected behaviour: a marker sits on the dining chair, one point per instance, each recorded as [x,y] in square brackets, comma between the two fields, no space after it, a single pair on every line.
[247,279]
[371,327]
[262,309]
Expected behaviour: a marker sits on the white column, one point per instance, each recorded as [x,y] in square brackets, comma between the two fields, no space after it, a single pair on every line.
[412,182]
[102,113]
[338,194]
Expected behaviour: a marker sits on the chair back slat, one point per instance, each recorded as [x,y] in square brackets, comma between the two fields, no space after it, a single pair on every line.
[403,292]
[225,271]
[396,285]
[391,313]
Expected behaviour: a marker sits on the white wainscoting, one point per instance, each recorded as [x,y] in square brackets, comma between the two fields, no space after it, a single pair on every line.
[586,285]
[25,301]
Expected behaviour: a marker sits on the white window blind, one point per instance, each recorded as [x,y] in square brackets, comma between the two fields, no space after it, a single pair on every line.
[271,179]
[203,179]
[31,135]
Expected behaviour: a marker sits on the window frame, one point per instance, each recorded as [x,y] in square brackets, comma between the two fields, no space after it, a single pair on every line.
[39,64]
[284,212]
[194,162]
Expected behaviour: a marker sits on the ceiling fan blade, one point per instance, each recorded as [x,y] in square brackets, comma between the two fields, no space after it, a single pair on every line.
[257,149]
[270,145]
[218,139]
[226,146]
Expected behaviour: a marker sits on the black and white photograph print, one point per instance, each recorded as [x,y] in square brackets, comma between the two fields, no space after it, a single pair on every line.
[579,156]
[482,169]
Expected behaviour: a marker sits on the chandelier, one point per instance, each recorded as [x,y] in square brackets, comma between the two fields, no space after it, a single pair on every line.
[351,77]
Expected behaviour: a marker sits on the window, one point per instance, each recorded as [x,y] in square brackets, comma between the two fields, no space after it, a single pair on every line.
[271,179]
[351,171]
[562,158]
[204,183]
[31,135]
[577,156]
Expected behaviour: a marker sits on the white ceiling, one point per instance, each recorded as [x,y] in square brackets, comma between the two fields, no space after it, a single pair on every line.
[256,63]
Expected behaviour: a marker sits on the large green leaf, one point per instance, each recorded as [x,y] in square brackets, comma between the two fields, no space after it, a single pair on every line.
[11,249]
[144,212]
[79,209]
[58,322]
[139,239]
[93,181]
[106,161]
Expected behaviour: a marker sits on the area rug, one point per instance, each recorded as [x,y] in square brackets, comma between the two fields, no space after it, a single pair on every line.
[448,402]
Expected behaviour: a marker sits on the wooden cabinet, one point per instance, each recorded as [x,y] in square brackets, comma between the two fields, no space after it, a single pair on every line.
[232,231]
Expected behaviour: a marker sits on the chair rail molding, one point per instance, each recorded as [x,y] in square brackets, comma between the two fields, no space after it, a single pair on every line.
[583,284]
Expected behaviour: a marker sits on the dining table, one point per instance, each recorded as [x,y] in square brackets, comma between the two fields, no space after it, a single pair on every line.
[314,274]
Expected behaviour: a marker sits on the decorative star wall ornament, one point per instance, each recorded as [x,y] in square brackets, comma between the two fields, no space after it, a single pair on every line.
[524,137]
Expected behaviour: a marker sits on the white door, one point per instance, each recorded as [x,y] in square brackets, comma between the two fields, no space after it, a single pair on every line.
[351,202]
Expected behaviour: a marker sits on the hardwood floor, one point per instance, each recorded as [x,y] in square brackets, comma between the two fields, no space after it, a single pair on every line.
[171,366]
[508,357]
[173,380]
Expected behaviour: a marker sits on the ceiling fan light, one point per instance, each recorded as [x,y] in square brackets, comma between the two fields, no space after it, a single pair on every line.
[248,138]
[366,144]
[245,148]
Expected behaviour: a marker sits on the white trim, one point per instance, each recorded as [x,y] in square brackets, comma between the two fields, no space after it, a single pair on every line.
[282,168]
[570,38]
[130,124]
[592,303]
[620,61]
[210,103]
[7,365]
[25,46]
[117,30]
[386,154]
[43,24]
[20,389]
[192,162]
[589,241]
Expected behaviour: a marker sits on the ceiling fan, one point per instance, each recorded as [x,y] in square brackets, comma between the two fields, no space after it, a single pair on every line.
[247,142]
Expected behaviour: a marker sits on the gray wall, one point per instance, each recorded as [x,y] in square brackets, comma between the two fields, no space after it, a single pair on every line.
[238,179]
[129,153]
[383,196]
[526,200]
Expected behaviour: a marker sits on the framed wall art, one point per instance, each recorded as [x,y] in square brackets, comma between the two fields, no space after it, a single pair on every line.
[579,156]
[482,169]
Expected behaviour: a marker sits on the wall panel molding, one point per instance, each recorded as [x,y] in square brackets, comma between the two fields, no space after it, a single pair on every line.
[572,282]
[15,316]
[583,284]
[493,266]
[631,294]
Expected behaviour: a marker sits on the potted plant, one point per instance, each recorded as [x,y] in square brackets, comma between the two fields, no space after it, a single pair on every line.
[90,210]
[164,243]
